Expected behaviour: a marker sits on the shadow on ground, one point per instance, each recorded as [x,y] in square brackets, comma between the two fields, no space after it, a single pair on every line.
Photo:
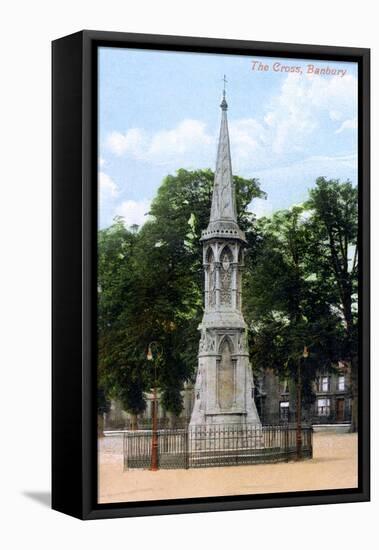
[42,497]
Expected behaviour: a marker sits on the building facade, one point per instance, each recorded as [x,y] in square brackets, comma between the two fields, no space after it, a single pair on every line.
[276,399]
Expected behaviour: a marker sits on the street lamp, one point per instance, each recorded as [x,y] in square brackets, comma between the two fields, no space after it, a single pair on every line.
[154,439]
[299,442]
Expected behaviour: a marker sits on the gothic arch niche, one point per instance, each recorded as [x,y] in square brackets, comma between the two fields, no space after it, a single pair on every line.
[209,256]
[240,256]
[226,375]
[211,279]
[226,260]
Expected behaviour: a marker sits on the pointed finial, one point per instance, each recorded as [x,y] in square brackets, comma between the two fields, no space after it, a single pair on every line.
[224,105]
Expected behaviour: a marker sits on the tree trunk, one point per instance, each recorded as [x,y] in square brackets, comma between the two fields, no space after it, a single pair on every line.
[100,425]
[134,421]
[354,414]
[172,420]
[354,395]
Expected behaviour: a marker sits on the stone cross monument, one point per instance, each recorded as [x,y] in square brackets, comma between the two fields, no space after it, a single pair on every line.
[224,383]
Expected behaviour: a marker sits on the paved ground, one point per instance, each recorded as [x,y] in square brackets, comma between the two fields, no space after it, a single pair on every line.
[334,465]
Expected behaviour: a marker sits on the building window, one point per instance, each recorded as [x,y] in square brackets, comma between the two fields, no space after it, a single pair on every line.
[323,383]
[341,382]
[323,407]
[284,411]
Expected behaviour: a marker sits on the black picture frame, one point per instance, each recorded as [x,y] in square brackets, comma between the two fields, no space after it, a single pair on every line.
[74,205]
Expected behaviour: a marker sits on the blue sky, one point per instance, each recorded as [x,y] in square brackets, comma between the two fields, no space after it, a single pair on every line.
[159,111]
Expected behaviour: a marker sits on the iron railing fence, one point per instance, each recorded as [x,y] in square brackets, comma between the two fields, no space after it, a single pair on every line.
[172,448]
[163,423]
[183,423]
[308,418]
[207,446]
[331,418]
[283,420]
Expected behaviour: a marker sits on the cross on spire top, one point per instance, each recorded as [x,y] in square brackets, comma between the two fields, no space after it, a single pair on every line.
[224,105]
[225,81]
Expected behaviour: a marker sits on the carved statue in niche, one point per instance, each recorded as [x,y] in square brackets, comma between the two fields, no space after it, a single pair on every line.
[207,341]
[242,343]
[210,342]
[211,279]
[202,341]
[226,277]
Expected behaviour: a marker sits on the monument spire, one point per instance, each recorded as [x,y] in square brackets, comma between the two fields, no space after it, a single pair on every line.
[224,383]
[223,216]
[223,200]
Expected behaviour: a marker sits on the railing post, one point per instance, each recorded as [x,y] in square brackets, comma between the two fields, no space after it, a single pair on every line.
[154,435]
[186,444]
[311,440]
[125,449]
[298,413]
[286,435]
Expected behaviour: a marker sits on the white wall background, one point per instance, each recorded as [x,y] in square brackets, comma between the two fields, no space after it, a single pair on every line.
[26,31]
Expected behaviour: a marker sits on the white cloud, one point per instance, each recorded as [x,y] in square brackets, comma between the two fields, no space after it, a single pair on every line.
[188,135]
[336,95]
[338,161]
[133,212]
[101,162]
[296,112]
[107,187]
[348,124]
[286,127]
[132,142]
[163,146]
[247,137]
[306,170]
[290,120]
[261,208]
[334,115]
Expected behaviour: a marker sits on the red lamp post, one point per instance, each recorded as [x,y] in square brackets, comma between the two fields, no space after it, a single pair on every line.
[299,441]
[154,439]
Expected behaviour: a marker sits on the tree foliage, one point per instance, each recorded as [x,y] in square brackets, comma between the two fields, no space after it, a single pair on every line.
[300,287]
[334,227]
[284,304]
[151,289]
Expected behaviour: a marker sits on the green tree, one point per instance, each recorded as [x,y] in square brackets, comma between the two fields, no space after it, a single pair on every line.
[334,249]
[120,374]
[170,273]
[283,304]
[150,289]
[300,287]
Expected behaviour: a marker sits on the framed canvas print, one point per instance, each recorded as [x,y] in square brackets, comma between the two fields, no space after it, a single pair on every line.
[210,274]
